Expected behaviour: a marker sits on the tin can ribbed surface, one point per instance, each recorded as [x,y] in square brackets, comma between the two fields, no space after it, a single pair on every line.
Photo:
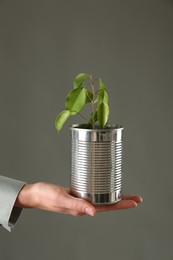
[96,164]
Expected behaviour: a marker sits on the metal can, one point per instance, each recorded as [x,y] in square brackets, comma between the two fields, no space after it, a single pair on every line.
[96,164]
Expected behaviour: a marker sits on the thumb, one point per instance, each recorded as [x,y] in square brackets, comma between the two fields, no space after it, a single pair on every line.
[80,207]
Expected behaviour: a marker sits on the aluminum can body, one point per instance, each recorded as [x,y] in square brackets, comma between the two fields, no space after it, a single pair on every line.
[96,164]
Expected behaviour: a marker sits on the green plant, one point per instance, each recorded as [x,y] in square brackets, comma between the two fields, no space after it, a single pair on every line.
[85,92]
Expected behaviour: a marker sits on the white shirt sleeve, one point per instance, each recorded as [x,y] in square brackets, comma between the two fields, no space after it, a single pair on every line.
[9,189]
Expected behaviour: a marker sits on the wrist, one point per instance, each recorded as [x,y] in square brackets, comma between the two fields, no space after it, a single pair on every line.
[26,198]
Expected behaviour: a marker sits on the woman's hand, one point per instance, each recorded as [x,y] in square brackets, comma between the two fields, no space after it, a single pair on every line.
[54,198]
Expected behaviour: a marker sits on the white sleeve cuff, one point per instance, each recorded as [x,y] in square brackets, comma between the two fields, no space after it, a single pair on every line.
[9,189]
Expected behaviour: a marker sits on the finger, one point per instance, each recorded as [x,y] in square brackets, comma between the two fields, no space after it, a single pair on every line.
[123,204]
[136,198]
[80,207]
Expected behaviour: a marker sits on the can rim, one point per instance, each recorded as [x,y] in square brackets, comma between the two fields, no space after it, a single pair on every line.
[108,128]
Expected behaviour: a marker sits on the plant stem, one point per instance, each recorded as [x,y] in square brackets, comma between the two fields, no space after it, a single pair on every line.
[78,113]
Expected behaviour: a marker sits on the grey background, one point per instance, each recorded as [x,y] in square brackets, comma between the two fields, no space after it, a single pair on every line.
[129,44]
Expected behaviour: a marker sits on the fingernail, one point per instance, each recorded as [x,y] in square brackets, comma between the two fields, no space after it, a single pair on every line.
[89,211]
[134,204]
[141,199]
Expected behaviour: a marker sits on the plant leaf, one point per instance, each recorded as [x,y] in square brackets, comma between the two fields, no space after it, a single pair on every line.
[102,85]
[76,100]
[89,96]
[61,118]
[79,79]
[105,97]
[102,94]
[103,114]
